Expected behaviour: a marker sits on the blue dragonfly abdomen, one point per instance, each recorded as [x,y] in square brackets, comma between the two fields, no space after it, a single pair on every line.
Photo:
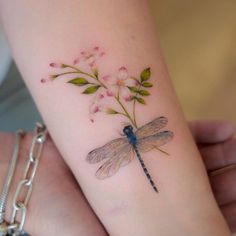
[128,131]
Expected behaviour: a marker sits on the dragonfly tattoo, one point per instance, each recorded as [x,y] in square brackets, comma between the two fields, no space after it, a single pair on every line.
[121,151]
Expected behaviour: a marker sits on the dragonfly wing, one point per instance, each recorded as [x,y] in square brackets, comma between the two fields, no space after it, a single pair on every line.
[154,141]
[109,150]
[111,166]
[152,127]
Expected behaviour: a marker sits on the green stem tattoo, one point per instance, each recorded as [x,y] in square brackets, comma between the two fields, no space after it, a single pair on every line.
[126,113]
[134,103]
[95,84]
[87,74]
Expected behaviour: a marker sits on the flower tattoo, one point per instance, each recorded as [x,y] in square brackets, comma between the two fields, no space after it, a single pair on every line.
[120,87]
[113,94]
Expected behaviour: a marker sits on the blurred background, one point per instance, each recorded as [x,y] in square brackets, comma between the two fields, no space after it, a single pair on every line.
[198,39]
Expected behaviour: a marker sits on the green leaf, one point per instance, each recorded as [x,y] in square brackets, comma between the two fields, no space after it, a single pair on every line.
[133,89]
[140,100]
[145,75]
[143,92]
[147,84]
[91,89]
[111,111]
[78,81]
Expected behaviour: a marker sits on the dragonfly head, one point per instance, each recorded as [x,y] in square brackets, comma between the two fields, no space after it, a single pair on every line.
[128,129]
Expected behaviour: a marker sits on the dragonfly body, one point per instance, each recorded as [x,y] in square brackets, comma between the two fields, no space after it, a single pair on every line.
[120,152]
[128,131]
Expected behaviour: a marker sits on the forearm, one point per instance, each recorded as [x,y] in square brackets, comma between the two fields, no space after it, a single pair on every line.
[57,31]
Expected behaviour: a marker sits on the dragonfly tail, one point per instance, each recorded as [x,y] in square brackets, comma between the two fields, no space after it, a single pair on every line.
[145,170]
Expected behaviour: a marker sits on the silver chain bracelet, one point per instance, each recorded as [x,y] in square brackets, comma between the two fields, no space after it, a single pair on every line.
[24,186]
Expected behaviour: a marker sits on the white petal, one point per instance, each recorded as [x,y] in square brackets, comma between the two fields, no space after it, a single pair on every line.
[130,82]
[125,93]
[109,80]
[112,91]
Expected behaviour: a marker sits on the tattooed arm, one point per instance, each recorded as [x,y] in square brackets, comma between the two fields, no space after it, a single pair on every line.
[96,73]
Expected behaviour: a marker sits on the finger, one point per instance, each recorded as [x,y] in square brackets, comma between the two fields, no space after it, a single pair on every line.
[207,132]
[219,155]
[229,212]
[223,186]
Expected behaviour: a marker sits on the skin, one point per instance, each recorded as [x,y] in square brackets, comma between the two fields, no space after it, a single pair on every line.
[54,183]
[44,32]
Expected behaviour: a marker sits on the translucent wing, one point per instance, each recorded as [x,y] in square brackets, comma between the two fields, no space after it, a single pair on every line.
[154,141]
[108,151]
[111,166]
[152,127]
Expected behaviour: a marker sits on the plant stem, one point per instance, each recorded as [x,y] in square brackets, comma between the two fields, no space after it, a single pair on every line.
[123,114]
[134,113]
[134,103]
[126,113]
[88,74]
[65,73]
[80,71]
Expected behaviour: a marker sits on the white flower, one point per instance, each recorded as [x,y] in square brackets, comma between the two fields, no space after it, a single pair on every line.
[118,85]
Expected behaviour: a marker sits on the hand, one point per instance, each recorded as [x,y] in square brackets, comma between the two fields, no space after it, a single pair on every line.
[218,150]
[57,205]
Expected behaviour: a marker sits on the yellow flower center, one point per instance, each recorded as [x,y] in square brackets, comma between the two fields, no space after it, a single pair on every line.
[120,82]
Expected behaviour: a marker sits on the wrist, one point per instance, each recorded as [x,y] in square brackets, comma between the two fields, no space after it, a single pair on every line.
[17,175]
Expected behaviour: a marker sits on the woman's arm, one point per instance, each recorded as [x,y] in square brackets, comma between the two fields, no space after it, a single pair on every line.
[112,60]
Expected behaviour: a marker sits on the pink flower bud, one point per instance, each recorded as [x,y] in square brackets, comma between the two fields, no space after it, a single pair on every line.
[76,61]
[110,93]
[92,64]
[128,98]
[100,96]
[43,80]
[106,78]
[55,65]
[122,73]
[96,48]
[96,109]
[102,54]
